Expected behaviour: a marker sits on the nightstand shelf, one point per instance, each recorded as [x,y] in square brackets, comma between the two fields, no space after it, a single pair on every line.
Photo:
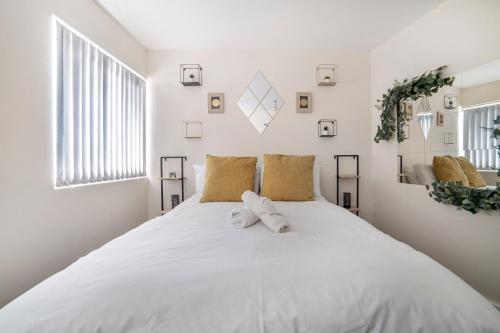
[164,159]
[170,178]
[348,177]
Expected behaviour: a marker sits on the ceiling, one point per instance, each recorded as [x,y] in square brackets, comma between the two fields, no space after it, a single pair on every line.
[341,25]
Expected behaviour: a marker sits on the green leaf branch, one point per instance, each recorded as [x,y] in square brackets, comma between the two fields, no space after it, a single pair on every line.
[392,118]
[467,198]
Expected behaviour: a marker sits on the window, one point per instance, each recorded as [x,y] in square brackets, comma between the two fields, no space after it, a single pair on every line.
[100,113]
[478,145]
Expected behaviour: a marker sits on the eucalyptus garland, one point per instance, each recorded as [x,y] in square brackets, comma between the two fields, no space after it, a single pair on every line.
[468,198]
[393,117]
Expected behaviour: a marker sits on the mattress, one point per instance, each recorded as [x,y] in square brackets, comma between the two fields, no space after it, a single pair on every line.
[190,271]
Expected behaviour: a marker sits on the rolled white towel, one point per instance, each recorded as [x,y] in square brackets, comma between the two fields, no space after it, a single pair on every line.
[266,211]
[242,217]
[275,222]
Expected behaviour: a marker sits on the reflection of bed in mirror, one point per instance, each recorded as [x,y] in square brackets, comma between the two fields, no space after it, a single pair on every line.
[460,119]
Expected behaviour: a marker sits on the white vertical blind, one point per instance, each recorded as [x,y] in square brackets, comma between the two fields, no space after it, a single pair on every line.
[479,146]
[100,114]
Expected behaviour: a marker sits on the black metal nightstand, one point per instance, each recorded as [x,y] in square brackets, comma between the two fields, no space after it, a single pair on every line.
[162,179]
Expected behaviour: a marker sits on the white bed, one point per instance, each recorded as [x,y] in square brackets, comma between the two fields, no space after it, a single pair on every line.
[189,271]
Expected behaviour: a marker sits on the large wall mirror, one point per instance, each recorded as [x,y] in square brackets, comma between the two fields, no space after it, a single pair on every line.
[456,121]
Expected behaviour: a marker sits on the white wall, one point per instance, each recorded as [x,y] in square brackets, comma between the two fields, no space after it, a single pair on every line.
[463,34]
[289,71]
[43,230]
[484,93]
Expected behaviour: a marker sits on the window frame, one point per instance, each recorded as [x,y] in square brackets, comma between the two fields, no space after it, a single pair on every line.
[55,66]
[462,112]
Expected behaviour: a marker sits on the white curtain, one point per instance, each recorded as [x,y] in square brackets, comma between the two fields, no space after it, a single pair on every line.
[100,115]
[479,146]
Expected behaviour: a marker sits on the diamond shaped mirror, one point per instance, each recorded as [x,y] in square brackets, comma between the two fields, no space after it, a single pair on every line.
[260,102]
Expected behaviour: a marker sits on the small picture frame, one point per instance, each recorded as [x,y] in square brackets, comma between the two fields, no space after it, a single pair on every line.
[175,200]
[450,138]
[216,103]
[440,119]
[407,110]
[172,174]
[406,131]
[347,200]
[304,102]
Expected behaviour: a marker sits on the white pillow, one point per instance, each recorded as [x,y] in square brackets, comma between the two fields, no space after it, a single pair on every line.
[316,181]
[199,172]
[425,174]
[411,175]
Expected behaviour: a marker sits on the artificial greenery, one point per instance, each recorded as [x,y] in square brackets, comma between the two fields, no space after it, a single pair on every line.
[468,198]
[393,117]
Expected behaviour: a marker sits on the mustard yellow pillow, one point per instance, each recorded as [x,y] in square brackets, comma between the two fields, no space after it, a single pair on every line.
[227,177]
[447,169]
[288,178]
[473,177]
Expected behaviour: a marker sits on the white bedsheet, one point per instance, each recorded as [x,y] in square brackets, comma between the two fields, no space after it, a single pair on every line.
[190,271]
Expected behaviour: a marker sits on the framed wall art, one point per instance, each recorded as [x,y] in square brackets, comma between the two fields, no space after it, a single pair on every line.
[215,102]
[440,119]
[408,110]
[304,102]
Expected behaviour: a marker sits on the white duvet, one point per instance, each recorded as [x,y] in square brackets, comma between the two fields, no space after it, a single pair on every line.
[190,271]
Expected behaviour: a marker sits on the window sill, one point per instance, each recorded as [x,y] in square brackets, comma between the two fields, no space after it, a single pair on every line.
[68,187]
